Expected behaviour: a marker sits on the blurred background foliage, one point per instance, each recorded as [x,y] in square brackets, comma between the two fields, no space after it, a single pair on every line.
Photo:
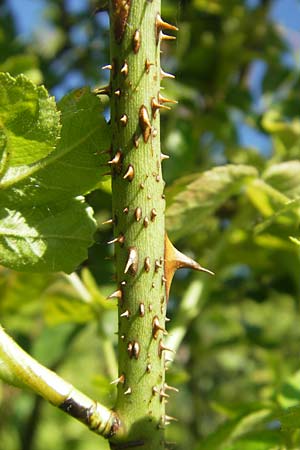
[233,192]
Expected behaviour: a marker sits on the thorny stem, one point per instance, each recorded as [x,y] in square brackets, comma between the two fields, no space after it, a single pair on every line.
[138,218]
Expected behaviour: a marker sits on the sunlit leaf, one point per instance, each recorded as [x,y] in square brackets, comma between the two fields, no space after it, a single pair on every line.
[191,199]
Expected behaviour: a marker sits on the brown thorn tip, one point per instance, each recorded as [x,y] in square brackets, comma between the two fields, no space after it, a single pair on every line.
[163,99]
[156,328]
[148,64]
[136,41]
[125,314]
[126,210]
[124,69]
[129,175]
[132,261]
[155,390]
[116,159]
[117,294]
[124,120]
[153,214]
[163,348]
[163,395]
[162,25]
[146,222]
[142,309]
[174,260]
[166,37]
[108,222]
[155,105]
[138,214]
[170,388]
[120,239]
[147,264]
[121,380]
[145,123]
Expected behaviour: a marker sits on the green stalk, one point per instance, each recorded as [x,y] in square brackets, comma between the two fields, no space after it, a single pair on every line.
[21,370]
[138,217]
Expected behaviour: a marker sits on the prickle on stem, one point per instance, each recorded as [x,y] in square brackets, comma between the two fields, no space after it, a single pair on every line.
[145,123]
[132,261]
[129,174]
[136,41]
[120,240]
[175,260]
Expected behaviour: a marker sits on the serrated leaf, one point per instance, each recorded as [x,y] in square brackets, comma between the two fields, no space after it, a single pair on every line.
[46,238]
[76,165]
[192,198]
[43,227]
[285,177]
[29,121]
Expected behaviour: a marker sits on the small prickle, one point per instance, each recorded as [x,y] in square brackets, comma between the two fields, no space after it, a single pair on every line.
[108,222]
[120,380]
[124,69]
[146,222]
[148,64]
[120,240]
[163,348]
[136,41]
[155,106]
[116,159]
[163,156]
[163,99]
[164,74]
[138,214]
[157,265]
[153,214]
[145,123]
[142,309]
[156,327]
[117,294]
[107,67]
[128,391]
[129,174]
[125,314]
[124,120]
[147,265]
[132,261]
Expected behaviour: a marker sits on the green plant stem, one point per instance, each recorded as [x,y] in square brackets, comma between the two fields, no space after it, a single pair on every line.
[139,228]
[20,369]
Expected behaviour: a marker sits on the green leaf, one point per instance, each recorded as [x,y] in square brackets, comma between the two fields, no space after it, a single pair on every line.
[29,121]
[285,177]
[26,64]
[290,391]
[290,419]
[43,226]
[77,164]
[227,433]
[193,198]
[46,238]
